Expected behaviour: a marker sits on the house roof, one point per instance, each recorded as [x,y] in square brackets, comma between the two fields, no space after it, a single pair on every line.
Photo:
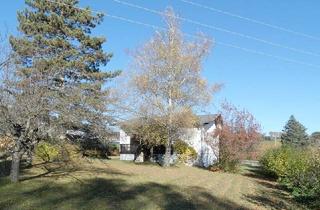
[206,119]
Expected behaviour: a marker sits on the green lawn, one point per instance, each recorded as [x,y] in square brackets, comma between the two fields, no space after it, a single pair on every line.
[114,184]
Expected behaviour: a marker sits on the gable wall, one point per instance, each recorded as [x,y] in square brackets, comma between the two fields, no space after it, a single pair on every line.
[198,138]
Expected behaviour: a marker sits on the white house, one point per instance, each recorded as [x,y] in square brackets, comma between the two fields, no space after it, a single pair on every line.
[126,150]
[201,138]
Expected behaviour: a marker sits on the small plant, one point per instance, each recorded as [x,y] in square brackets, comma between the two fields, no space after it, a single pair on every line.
[113,150]
[47,152]
[185,153]
[95,153]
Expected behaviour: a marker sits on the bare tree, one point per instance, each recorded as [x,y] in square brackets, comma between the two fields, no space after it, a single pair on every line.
[166,79]
[5,141]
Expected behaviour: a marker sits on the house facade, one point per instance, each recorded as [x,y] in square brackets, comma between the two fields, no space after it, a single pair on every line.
[203,139]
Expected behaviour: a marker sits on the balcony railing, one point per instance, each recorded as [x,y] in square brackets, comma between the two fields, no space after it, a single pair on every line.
[128,148]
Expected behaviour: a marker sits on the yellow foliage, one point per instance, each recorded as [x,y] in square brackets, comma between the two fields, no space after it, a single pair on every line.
[5,143]
[47,152]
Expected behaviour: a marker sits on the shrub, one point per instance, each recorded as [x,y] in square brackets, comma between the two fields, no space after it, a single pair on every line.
[238,137]
[95,153]
[296,168]
[275,162]
[304,177]
[113,150]
[229,164]
[70,153]
[185,153]
[47,152]
[94,148]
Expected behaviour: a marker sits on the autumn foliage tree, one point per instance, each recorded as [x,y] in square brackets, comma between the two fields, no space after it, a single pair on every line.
[239,135]
[166,80]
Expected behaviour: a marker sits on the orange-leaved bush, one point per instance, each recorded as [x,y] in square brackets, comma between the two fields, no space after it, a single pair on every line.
[239,136]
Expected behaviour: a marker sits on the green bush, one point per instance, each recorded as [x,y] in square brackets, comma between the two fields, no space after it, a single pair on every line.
[113,150]
[304,177]
[95,153]
[296,168]
[276,161]
[47,152]
[229,165]
[184,151]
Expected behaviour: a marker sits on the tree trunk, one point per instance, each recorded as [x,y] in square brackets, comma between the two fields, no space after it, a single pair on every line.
[15,166]
[151,153]
[167,156]
[29,158]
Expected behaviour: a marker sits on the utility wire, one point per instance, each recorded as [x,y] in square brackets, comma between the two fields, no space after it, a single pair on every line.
[217,42]
[195,36]
[251,20]
[220,29]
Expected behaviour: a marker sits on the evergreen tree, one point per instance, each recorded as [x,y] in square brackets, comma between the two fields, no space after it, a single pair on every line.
[294,133]
[57,79]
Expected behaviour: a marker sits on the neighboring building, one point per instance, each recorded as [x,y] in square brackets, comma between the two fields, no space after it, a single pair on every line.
[128,148]
[201,138]
[275,135]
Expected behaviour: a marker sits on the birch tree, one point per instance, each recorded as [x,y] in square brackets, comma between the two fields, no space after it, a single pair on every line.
[166,77]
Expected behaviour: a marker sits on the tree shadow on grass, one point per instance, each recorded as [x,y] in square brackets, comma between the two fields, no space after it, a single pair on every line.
[118,194]
[60,169]
[5,166]
[257,172]
[271,195]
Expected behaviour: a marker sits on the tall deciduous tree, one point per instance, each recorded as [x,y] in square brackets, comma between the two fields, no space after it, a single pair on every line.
[294,133]
[167,80]
[55,82]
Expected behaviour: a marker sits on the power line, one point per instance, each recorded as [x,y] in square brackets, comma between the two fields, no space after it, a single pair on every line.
[196,36]
[251,20]
[220,29]
[219,43]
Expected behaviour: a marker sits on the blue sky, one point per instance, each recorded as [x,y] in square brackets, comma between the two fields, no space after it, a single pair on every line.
[269,88]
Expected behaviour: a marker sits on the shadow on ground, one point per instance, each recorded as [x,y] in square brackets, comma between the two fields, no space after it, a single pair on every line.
[5,167]
[43,191]
[271,195]
[101,193]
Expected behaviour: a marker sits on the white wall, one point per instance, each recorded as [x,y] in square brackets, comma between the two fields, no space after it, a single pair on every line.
[192,136]
[196,138]
[124,138]
[129,157]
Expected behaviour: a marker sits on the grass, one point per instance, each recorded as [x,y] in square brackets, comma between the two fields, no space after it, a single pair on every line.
[266,145]
[262,147]
[115,184]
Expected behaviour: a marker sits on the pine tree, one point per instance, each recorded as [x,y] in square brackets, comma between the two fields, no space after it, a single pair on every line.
[294,133]
[58,82]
